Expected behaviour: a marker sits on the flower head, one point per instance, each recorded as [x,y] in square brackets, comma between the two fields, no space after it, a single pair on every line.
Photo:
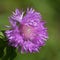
[27,32]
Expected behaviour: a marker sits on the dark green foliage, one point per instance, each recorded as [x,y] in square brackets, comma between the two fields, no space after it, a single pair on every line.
[6,51]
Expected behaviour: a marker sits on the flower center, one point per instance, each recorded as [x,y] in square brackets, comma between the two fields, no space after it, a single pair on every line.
[28,32]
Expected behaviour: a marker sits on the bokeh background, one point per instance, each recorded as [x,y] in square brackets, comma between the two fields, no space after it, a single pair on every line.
[50,11]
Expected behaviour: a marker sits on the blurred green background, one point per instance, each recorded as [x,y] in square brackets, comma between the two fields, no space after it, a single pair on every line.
[50,11]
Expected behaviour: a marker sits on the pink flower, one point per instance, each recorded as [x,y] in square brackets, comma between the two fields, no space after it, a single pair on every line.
[27,31]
